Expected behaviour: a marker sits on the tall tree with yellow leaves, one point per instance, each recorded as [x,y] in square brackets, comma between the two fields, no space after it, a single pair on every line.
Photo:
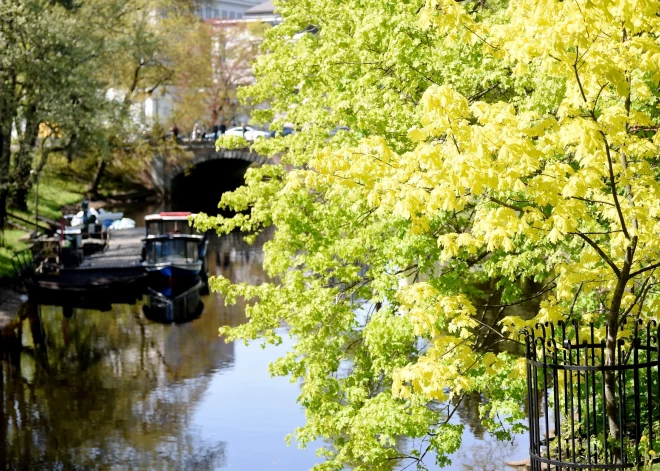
[487,143]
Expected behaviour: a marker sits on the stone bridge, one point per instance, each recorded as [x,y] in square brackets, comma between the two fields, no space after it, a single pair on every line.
[163,173]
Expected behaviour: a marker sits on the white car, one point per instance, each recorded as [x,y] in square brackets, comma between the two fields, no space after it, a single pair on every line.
[250,133]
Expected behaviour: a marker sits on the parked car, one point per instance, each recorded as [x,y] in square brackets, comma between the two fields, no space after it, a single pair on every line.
[286,130]
[250,133]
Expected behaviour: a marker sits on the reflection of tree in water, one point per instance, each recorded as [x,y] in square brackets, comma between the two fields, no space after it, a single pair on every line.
[490,455]
[469,414]
[113,390]
[232,257]
[103,392]
[479,450]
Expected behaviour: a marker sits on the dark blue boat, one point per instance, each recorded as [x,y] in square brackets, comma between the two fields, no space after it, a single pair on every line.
[174,255]
[171,249]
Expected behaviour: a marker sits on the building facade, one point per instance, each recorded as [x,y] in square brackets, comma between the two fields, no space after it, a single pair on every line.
[264,12]
[222,15]
[226,9]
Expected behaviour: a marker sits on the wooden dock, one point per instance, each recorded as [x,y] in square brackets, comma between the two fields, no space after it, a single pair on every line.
[122,253]
[113,275]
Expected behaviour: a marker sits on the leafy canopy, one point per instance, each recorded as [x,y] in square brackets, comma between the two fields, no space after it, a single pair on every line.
[495,154]
[71,74]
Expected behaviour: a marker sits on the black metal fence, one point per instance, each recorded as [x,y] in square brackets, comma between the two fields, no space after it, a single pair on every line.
[566,378]
[23,263]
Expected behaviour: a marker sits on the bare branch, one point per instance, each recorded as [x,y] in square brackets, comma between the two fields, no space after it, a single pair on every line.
[544,289]
[577,293]
[643,270]
[482,93]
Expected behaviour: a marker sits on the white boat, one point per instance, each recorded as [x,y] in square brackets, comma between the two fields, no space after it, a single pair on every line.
[103,217]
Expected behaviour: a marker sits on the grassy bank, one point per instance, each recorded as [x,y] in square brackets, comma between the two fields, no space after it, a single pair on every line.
[55,191]
[11,245]
[63,183]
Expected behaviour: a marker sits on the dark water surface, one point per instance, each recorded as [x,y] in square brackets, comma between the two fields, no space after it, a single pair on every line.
[113,390]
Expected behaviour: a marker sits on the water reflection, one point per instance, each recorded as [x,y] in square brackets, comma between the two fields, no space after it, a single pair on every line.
[178,301]
[115,390]
[100,394]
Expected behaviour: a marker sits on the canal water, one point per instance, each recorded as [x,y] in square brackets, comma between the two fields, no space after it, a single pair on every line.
[116,391]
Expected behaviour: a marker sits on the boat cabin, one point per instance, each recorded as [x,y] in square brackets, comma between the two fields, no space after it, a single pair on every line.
[172,248]
[175,254]
[169,223]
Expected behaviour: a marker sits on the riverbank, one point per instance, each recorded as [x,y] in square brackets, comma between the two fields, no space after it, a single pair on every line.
[61,191]
[10,244]
[55,192]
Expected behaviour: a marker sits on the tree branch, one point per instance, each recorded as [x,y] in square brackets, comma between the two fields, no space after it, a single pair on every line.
[600,252]
[577,293]
[643,270]
[613,183]
[544,289]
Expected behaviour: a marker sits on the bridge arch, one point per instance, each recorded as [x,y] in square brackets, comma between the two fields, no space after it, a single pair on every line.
[204,153]
[163,174]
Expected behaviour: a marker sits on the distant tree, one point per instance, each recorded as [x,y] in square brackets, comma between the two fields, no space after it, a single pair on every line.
[215,59]
[71,77]
[44,85]
[140,60]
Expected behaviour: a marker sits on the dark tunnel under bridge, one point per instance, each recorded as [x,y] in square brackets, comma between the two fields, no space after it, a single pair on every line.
[198,184]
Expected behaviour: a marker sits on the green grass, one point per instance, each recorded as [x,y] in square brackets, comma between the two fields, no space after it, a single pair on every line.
[55,191]
[64,183]
[10,245]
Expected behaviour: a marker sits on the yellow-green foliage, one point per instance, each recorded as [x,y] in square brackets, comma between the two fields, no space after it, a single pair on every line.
[231,142]
[487,143]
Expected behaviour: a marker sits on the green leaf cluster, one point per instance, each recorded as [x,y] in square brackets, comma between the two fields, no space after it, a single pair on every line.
[462,170]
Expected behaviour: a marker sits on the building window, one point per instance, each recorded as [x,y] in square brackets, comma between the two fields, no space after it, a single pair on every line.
[240,15]
[224,14]
[209,14]
[232,15]
[216,13]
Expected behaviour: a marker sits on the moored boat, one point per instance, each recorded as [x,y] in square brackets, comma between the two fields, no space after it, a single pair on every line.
[173,255]
[171,248]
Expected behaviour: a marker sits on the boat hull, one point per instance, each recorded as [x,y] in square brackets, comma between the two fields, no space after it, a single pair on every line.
[174,255]
[74,290]
[171,270]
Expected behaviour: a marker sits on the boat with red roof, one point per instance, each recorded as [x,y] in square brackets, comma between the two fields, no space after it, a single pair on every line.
[172,248]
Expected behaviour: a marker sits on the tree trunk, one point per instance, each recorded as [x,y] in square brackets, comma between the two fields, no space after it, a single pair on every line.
[3,208]
[100,170]
[611,405]
[3,420]
[4,180]
[23,160]
[5,159]
[19,198]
